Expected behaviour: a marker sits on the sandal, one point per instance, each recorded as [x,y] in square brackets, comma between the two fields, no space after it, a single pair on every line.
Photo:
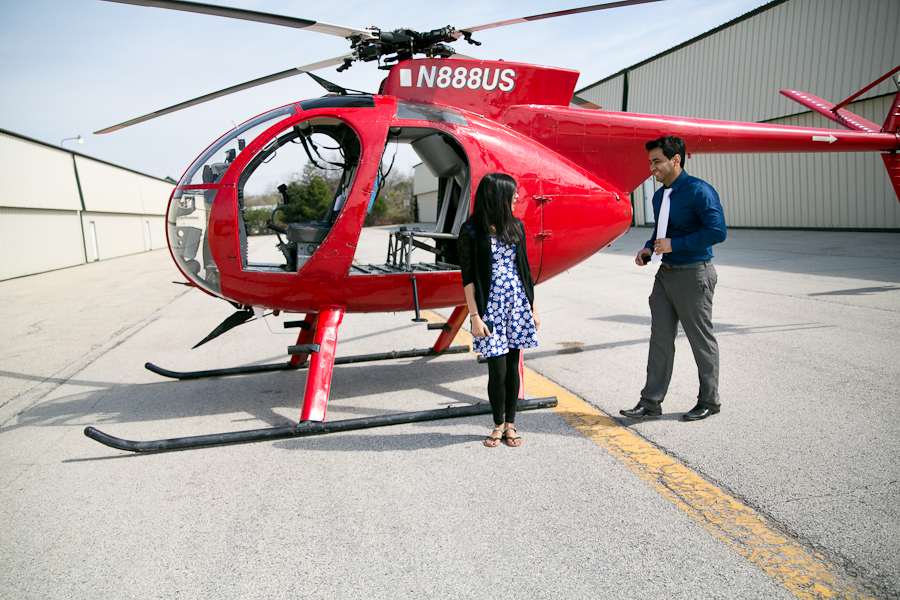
[491,441]
[512,441]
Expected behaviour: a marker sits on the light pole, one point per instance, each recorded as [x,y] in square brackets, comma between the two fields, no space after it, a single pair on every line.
[79,138]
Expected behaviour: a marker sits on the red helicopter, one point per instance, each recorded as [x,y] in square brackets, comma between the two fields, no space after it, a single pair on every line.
[464,118]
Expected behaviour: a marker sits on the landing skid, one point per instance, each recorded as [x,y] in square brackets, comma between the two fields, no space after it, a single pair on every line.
[287,366]
[221,372]
[316,342]
[304,428]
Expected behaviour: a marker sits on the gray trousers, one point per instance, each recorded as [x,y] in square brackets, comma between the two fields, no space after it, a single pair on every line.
[683,295]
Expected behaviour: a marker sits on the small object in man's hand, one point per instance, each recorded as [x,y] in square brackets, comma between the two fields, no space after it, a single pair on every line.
[646,258]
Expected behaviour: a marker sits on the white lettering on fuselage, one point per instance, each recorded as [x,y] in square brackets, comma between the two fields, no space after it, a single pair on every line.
[475,78]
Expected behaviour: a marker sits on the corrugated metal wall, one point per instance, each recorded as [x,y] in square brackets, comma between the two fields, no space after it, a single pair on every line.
[34,240]
[830,48]
[107,188]
[121,235]
[33,175]
[607,95]
[46,220]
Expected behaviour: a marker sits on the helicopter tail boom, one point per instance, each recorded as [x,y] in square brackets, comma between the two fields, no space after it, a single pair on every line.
[611,144]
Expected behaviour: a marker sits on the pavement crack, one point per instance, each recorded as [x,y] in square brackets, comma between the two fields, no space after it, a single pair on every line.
[840,494]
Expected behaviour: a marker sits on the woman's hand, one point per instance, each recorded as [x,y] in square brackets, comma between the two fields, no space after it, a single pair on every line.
[537,320]
[479,329]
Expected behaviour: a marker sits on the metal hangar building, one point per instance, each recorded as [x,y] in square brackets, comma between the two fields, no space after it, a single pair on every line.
[828,48]
[80,210]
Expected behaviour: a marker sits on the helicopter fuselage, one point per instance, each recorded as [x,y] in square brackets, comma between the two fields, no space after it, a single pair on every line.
[569,213]
[574,167]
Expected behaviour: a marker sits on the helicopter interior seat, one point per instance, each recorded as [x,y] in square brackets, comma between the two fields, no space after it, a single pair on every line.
[452,213]
[445,159]
[463,203]
[315,232]
[308,233]
[454,203]
[453,173]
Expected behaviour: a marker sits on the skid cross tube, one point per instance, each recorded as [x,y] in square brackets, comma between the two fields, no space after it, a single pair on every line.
[306,428]
[346,360]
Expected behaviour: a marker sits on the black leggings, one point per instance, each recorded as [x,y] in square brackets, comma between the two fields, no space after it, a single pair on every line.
[503,385]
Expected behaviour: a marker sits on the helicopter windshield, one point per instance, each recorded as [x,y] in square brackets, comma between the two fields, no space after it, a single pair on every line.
[189,209]
[213,163]
[188,220]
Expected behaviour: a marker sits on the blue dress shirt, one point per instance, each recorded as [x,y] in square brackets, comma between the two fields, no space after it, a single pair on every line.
[696,220]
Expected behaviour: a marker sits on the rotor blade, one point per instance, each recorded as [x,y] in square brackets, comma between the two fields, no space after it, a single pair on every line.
[238,318]
[333,87]
[560,13]
[250,15]
[230,90]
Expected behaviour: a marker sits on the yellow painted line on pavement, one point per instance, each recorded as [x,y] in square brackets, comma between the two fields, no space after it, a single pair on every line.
[805,573]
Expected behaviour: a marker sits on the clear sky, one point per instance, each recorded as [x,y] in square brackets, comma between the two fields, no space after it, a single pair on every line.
[70,67]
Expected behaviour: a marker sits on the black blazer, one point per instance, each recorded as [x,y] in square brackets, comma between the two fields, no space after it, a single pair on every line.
[474,246]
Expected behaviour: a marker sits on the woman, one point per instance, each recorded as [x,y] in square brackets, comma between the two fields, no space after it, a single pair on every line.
[500,296]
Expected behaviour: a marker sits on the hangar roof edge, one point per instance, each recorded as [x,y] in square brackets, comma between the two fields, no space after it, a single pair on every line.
[693,40]
[106,162]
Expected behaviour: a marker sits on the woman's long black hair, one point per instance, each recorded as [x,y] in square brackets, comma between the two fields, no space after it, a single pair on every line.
[493,201]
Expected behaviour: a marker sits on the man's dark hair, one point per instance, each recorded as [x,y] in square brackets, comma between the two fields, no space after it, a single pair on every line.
[670,146]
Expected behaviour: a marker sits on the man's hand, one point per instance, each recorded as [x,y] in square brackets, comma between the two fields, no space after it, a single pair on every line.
[663,246]
[643,257]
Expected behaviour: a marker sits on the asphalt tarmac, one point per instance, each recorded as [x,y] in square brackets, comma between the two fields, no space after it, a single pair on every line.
[791,491]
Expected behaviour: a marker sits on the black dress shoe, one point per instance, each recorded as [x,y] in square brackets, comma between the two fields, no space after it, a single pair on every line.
[640,411]
[700,412]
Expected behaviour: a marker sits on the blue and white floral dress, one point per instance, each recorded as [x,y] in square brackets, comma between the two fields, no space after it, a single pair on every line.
[507,308]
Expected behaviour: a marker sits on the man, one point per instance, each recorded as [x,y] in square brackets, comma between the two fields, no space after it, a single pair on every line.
[689,220]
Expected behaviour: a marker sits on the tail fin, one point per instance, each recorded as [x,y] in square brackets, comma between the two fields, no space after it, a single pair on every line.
[845,118]
[841,116]
[892,122]
[826,109]
[892,163]
[892,160]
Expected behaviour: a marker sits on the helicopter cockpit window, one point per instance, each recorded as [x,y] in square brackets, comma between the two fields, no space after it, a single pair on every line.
[213,163]
[188,214]
[295,187]
[413,110]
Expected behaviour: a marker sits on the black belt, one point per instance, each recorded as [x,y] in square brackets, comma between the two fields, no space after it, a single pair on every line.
[693,265]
